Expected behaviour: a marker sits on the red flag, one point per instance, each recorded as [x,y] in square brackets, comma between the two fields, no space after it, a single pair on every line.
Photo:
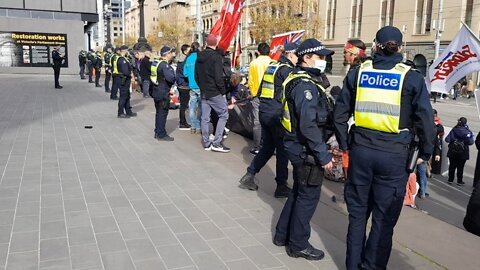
[227,24]
[236,53]
[281,40]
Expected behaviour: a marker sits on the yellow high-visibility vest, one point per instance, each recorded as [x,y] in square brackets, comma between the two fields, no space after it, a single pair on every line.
[286,117]
[115,62]
[268,86]
[154,69]
[379,95]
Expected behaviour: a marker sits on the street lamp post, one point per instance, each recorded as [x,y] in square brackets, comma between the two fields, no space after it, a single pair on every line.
[107,13]
[142,44]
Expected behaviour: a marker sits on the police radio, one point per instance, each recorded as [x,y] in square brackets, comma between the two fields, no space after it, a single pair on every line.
[413,157]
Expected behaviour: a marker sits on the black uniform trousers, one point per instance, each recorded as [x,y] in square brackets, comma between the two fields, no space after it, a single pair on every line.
[56,75]
[115,85]
[184,96]
[124,99]
[272,137]
[90,73]
[108,76]
[161,107]
[98,73]
[376,185]
[293,226]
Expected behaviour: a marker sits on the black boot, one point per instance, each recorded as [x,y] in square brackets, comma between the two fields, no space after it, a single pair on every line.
[248,182]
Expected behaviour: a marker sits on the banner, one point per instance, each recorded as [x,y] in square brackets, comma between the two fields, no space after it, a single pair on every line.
[278,41]
[459,59]
[227,23]
[23,49]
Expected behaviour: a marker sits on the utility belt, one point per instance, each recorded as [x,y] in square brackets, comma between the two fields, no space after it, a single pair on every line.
[311,174]
[390,142]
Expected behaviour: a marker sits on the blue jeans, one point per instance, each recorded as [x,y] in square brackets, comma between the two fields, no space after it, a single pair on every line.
[146,86]
[82,71]
[195,108]
[422,175]
[219,105]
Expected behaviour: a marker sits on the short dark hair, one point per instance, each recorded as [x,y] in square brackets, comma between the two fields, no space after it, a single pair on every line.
[264,48]
[195,47]
[390,48]
[185,47]
[301,58]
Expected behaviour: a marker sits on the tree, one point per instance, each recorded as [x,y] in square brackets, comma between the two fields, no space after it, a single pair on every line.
[174,28]
[271,17]
[129,41]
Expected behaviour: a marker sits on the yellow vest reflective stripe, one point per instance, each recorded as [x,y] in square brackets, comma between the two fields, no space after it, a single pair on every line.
[379,94]
[268,86]
[154,70]
[286,117]
[115,62]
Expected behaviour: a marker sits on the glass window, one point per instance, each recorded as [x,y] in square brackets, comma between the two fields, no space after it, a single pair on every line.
[428,17]
[468,13]
[419,17]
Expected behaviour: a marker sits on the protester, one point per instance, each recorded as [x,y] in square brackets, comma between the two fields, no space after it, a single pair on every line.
[162,76]
[476,177]
[255,75]
[195,100]
[436,161]
[183,87]
[354,53]
[411,191]
[459,139]
[378,145]
[145,66]
[209,76]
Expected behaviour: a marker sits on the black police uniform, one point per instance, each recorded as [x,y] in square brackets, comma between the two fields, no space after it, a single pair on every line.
[90,65]
[307,150]
[108,71]
[57,63]
[270,115]
[115,78]
[82,61]
[124,80]
[161,96]
[377,173]
[98,69]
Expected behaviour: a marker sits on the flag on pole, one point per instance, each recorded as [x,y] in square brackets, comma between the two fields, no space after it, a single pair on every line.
[281,40]
[227,23]
[460,58]
[236,53]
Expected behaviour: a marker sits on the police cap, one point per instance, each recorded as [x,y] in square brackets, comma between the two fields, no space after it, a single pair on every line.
[166,50]
[312,45]
[389,33]
[124,48]
[291,48]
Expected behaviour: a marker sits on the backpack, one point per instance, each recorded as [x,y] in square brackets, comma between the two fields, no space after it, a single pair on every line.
[457,147]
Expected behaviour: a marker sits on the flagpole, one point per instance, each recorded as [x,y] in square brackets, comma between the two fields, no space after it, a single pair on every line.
[223,19]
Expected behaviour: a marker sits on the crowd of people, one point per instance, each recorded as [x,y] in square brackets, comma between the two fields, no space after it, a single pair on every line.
[359,133]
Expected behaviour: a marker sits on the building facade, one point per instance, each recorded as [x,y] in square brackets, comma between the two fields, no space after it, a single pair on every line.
[132,19]
[418,19]
[29,30]
[116,24]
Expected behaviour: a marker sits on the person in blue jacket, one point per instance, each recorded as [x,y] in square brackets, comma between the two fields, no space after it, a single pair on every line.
[390,104]
[459,139]
[163,78]
[306,120]
[195,99]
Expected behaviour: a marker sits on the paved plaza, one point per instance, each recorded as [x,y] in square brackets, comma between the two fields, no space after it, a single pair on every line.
[111,197]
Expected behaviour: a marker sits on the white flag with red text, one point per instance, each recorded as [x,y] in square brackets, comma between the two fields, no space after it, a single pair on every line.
[460,58]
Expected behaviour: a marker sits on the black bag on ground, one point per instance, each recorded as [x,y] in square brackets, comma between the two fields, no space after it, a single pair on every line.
[240,119]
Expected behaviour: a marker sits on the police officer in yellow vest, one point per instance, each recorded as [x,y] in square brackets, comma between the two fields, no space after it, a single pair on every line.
[115,74]
[390,103]
[270,114]
[307,118]
[108,68]
[162,76]
[124,69]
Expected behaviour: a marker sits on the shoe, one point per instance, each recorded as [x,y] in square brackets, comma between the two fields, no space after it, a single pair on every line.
[279,243]
[58,87]
[114,98]
[166,138]
[220,148]
[254,151]
[132,114]
[123,116]
[421,196]
[461,183]
[184,127]
[282,191]
[107,91]
[225,136]
[146,96]
[427,195]
[450,182]
[83,78]
[248,182]
[91,82]
[208,148]
[310,253]
[98,85]
[227,130]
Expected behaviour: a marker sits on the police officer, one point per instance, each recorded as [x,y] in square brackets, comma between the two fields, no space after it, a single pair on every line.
[108,69]
[389,102]
[124,78]
[82,61]
[57,58]
[98,68]
[307,115]
[115,74]
[90,65]
[162,76]
[270,115]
